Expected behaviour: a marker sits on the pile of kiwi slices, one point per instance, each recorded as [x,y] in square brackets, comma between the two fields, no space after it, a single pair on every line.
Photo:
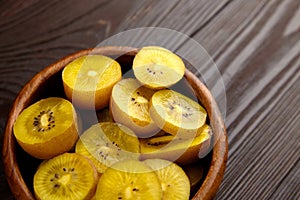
[146,138]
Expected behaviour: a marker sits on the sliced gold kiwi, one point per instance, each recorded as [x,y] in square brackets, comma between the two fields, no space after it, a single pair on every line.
[47,128]
[177,114]
[181,151]
[129,105]
[174,182]
[129,180]
[107,143]
[67,176]
[157,67]
[88,80]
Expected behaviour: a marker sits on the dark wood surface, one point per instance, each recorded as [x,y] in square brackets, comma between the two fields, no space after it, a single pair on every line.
[254,43]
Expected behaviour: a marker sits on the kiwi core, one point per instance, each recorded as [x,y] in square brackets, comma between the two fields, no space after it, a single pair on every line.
[44,121]
[65,179]
[92,73]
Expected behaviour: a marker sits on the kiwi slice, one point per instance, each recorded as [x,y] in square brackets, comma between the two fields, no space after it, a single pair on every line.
[174,182]
[47,128]
[129,180]
[129,105]
[157,67]
[67,176]
[88,80]
[106,143]
[177,114]
[181,151]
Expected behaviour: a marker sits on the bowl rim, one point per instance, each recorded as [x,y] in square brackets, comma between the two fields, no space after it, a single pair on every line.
[12,172]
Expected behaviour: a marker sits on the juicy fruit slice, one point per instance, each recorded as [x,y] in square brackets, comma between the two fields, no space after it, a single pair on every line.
[129,180]
[157,67]
[177,114]
[107,143]
[182,151]
[67,176]
[174,182]
[129,105]
[88,80]
[47,128]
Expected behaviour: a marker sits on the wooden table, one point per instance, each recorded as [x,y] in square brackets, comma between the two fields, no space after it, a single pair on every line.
[255,45]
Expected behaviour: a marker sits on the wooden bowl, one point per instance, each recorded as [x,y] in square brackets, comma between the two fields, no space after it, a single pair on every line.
[19,167]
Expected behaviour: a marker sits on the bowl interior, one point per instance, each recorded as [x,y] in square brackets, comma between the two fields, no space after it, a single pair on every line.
[49,83]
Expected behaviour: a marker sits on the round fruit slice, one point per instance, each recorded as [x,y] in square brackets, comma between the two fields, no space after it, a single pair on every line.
[177,114]
[107,143]
[174,182]
[157,67]
[181,151]
[129,180]
[88,80]
[129,105]
[47,128]
[67,176]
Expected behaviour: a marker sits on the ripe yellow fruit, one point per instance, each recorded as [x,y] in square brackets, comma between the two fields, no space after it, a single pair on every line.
[47,128]
[157,67]
[88,80]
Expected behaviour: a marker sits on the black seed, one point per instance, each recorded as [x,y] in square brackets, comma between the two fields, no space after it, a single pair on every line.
[132,99]
[51,179]
[153,73]
[72,169]
[53,125]
[138,93]
[56,175]
[64,169]
[135,189]
[119,197]
[56,186]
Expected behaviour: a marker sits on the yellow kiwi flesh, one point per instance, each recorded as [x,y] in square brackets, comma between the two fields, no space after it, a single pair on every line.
[88,80]
[106,143]
[181,151]
[129,180]
[65,177]
[157,67]
[177,114]
[174,182]
[129,105]
[47,128]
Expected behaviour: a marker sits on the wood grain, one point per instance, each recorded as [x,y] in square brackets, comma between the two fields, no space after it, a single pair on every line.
[255,45]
